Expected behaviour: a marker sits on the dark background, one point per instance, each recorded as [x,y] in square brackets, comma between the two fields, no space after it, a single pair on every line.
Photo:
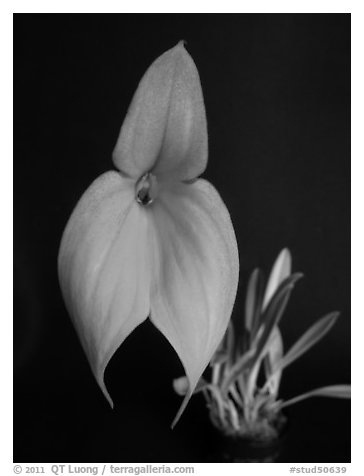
[277,94]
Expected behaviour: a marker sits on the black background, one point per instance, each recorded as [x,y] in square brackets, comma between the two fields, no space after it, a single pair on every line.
[277,95]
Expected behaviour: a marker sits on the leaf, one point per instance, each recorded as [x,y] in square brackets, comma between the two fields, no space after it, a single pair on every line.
[334,391]
[219,401]
[224,352]
[315,333]
[274,312]
[242,364]
[219,357]
[165,129]
[235,394]
[251,297]
[257,317]
[271,360]
[271,318]
[234,416]
[280,271]
[195,273]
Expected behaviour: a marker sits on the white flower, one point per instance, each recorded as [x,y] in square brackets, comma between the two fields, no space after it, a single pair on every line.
[151,239]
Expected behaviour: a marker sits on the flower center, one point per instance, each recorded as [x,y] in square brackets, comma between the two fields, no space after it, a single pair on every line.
[146,189]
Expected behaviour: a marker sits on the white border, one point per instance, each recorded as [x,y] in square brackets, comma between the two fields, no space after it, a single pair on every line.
[6,209]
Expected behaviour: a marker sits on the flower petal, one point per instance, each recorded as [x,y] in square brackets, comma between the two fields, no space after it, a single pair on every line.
[165,128]
[104,268]
[195,273]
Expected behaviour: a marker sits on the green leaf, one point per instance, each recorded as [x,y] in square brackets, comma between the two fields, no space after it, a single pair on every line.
[333,391]
[309,338]
[281,269]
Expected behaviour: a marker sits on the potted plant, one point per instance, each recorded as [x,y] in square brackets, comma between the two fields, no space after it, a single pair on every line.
[245,410]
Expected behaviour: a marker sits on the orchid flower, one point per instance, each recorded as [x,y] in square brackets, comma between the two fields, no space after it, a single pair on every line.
[151,239]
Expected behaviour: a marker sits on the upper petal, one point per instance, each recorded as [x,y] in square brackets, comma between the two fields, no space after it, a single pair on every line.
[165,128]
[104,268]
[195,273]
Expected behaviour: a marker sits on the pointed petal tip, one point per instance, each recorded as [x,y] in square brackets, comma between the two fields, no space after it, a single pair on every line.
[181,409]
[180,47]
[165,129]
[176,56]
[181,44]
[99,257]
[100,380]
[192,301]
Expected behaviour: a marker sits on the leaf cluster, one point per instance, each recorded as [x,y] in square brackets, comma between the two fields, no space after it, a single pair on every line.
[246,370]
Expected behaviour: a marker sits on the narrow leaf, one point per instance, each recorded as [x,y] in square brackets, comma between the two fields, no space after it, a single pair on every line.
[280,271]
[234,417]
[274,355]
[257,317]
[230,341]
[251,296]
[235,394]
[240,366]
[274,311]
[333,391]
[309,338]
[270,319]
[219,357]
